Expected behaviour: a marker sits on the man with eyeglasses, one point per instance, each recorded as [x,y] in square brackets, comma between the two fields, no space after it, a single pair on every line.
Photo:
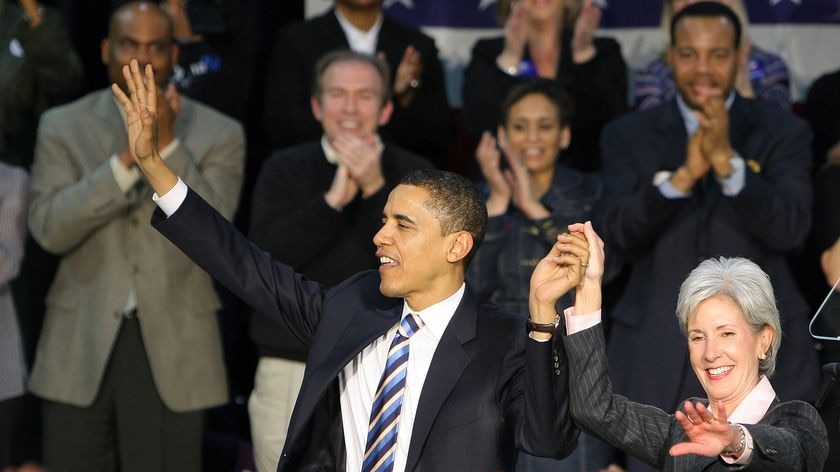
[130,353]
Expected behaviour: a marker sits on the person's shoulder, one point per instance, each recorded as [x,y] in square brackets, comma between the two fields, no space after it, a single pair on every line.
[772,119]
[292,155]
[410,33]
[489,45]
[605,44]
[207,119]
[642,121]
[87,102]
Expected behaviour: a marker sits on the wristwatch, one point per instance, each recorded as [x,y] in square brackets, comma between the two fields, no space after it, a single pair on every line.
[549,328]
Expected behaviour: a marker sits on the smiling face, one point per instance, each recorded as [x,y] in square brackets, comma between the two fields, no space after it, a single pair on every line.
[725,351]
[533,129]
[351,100]
[417,262]
[703,59]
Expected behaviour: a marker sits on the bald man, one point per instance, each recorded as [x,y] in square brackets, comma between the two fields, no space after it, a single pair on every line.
[130,353]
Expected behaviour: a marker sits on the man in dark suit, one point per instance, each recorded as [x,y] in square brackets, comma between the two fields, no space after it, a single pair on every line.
[477,386]
[707,174]
[335,211]
[421,120]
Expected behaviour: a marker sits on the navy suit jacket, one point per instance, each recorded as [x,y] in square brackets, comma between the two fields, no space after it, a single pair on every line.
[664,239]
[489,390]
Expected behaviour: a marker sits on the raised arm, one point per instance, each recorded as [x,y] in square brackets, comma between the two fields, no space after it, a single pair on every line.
[141,122]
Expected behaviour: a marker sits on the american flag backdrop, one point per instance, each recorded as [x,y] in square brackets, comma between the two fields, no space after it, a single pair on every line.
[805,32]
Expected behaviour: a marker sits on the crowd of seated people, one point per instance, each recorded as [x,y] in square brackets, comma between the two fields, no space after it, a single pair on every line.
[303,130]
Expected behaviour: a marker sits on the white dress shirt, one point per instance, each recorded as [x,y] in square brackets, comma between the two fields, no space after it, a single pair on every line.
[359,378]
[360,40]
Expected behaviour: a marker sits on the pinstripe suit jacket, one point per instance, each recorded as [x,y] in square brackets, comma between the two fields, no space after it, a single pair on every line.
[791,437]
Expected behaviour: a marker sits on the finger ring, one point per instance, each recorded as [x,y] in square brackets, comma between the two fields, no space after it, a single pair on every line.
[584,265]
[414,83]
[712,420]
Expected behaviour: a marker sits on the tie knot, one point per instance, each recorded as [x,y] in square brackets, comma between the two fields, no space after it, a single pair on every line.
[410,325]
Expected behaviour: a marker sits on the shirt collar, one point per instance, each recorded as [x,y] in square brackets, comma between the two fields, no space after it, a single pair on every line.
[436,317]
[359,40]
[755,405]
[687,113]
[332,155]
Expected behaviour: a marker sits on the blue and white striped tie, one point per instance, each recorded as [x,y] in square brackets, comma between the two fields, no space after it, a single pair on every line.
[385,414]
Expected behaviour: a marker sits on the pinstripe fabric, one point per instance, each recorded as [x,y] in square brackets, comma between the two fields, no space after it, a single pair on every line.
[14,185]
[790,437]
[385,412]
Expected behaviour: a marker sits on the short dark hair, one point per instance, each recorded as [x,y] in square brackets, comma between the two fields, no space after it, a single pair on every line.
[707,9]
[545,87]
[346,55]
[454,201]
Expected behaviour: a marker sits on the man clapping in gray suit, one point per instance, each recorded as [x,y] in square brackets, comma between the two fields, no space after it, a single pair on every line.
[130,352]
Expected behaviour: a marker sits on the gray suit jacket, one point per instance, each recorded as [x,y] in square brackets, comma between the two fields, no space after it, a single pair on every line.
[78,211]
[791,437]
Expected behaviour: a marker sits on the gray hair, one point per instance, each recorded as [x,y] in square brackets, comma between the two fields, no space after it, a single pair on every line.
[745,284]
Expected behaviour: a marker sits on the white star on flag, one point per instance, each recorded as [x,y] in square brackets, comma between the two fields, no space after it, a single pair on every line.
[484,4]
[389,3]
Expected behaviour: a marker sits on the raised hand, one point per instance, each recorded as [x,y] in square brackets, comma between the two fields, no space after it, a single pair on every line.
[407,75]
[140,111]
[489,161]
[556,273]
[516,35]
[141,125]
[583,47]
[363,160]
[342,190]
[588,293]
[519,180]
[708,434]
[715,145]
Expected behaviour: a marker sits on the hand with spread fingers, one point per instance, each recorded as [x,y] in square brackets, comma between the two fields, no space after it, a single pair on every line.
[708,434]
[141,123]
[583,41]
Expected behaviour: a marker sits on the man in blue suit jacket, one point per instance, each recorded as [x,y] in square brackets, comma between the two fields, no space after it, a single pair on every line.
[707,174]
[479,386]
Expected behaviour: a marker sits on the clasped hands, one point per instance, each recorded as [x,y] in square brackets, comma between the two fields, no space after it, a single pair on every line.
[709,147]
[359,169]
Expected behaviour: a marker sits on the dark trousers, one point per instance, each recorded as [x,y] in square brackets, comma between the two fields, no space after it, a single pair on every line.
[128,428]
[10,416]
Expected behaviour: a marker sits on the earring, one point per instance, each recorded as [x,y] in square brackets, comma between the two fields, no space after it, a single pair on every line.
[763,357]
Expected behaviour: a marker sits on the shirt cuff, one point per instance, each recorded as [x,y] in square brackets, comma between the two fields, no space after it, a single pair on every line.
[173,199]
[125,177]
[662,180]
[748,450]
[734,183]
[578,323]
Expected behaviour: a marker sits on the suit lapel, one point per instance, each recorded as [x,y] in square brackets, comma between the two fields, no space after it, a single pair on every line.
[111,136]
[449,362]
[673,137]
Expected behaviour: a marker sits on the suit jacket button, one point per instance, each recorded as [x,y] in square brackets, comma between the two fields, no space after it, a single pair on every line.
[770,450]
[557,372]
